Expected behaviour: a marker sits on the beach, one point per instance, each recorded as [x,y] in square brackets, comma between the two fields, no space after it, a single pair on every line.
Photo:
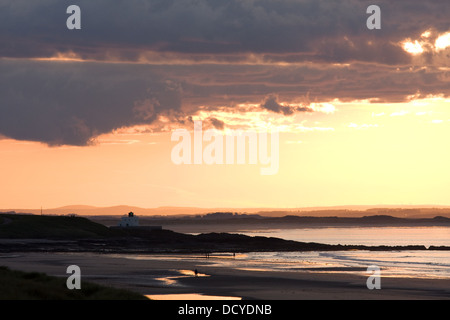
[173,275]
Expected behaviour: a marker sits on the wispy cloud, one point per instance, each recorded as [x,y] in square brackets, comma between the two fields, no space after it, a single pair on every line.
[363,126]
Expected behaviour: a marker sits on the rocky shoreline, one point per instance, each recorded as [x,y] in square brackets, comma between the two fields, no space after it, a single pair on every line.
[136,240]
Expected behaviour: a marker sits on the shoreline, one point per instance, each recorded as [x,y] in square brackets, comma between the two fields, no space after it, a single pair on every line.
[175,276]
[141,241]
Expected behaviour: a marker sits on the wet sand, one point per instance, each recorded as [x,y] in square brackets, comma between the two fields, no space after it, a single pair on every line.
[176,276]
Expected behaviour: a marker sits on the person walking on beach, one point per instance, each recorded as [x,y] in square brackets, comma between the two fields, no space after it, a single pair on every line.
[196,272]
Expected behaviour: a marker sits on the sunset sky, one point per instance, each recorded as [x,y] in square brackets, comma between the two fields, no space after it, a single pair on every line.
[86,116]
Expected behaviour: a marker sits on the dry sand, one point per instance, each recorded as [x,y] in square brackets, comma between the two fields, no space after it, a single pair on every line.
[166,276]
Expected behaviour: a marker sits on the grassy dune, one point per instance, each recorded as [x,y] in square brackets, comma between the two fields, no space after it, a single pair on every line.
[18,285]
[16,226]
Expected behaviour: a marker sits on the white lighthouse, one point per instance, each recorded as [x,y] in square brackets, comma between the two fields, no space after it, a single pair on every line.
[129,221]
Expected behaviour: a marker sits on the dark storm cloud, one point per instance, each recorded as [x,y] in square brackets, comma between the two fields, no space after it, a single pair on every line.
[71,103]
[326,30]
[298,85]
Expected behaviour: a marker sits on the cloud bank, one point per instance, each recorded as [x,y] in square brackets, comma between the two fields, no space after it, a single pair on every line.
[287,30]
[135,61]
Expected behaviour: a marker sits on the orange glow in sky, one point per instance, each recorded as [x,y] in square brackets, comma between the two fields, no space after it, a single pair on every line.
[370,154]
[88,107]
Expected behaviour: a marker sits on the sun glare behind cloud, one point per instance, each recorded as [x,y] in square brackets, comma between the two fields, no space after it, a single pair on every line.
[443,41]
[412,47]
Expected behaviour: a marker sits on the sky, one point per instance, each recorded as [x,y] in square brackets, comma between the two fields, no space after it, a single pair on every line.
[88,116]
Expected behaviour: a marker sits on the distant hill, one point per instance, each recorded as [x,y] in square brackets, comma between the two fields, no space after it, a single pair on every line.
[401,211]
[289,221]
[83,210]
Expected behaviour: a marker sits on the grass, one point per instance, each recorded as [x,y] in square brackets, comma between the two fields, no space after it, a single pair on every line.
[19,285]
[50,227]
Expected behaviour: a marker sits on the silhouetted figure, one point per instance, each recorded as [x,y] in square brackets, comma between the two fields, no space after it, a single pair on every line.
[196,272]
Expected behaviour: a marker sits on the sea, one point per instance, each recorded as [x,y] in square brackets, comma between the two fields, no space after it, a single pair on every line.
[393,263]
[433,264]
